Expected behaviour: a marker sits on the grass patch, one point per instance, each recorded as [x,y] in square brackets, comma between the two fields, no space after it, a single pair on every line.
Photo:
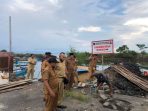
[77,95]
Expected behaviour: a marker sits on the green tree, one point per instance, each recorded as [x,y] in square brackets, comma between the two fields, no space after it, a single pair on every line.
[126,54]
[72,50]
[123,49]
[82,57]
[142,48]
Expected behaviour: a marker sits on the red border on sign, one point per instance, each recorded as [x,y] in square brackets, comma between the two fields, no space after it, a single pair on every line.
[104,40]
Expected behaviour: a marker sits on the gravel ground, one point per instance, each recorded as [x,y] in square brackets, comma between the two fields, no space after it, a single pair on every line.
[30,98]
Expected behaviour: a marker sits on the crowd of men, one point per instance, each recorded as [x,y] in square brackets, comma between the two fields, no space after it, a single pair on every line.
[59,75]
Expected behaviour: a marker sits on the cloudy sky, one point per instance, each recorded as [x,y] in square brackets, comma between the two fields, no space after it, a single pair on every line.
[57,25]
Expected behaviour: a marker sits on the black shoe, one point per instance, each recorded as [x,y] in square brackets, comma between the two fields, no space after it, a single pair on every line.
[61,106]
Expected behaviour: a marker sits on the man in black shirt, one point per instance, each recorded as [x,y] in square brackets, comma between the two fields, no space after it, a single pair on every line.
[102,79]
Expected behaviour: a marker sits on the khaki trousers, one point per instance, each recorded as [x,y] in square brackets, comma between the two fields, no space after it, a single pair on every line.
[61,91]
[30,71]
[51,103]
[70,76]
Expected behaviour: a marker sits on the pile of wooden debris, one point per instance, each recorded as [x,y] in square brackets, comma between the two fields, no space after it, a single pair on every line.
[128,80]
[14,85]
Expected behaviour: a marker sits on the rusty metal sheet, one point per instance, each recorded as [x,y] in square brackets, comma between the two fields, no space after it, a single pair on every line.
[6,61]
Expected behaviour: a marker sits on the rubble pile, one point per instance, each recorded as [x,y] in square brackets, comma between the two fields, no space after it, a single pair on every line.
[117,104]
[125,85]
[134,69]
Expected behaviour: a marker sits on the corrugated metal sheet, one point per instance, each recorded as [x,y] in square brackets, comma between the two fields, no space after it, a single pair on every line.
[6,61]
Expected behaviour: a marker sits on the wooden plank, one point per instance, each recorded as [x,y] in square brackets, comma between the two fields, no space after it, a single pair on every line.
[135,76]
[11,86]
[14,85]
[12,89]
[131,75]
[132,79]
[140,82]
[11,83]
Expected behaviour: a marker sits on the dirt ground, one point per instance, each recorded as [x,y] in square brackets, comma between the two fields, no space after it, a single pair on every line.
[30,98]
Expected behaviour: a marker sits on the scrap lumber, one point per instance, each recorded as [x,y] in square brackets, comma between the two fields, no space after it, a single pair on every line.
[140,82]
[12,89]
[12,85]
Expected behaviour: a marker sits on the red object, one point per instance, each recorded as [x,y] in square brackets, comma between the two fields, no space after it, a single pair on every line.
[6,61]
[145,73]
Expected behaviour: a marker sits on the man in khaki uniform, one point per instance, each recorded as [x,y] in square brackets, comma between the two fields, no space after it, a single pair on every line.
[71,69]
[51,85]
[61,72]
[45,61]
[31,66]
[76,67]
[93,59]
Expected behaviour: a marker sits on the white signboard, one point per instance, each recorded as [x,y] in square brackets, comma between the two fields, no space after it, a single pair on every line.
[103,47]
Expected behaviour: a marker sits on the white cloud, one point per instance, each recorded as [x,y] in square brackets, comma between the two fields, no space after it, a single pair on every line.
[134,32]
[24,5]
[89,29]
[81,44]
[64,21]
[140,24]
[125,21]
[125,37]
[141,31]
[133,25]
[137,22]
[55,2]
[136,8]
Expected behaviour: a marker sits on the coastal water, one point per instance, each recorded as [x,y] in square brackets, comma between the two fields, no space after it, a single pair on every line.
[37,74]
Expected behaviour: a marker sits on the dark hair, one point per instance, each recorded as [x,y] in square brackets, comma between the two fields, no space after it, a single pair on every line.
[100,77]
[31,55]
[62,53]
[47,53]
[70,54]
[95,55]
[52,60]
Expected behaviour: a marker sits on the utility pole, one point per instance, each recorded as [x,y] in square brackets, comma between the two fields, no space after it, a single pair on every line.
[10,35]
[10,50]
[102,62]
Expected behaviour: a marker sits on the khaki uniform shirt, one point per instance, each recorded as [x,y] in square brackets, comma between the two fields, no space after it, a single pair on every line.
[31,63]
[50,75]
[61,69]
[93,62]
[44,65]
[71,65]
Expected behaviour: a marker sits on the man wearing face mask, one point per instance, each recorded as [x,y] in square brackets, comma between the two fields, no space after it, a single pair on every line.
[61,72]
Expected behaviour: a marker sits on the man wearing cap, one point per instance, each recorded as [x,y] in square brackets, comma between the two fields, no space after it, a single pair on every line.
[71,67]
[61,72]
[31,66]
[51,85]
[93,59]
